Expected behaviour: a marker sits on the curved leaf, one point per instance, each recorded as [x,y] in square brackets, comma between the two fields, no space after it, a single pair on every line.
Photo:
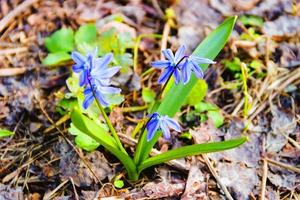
[93,130]
[190,151]
[177,94]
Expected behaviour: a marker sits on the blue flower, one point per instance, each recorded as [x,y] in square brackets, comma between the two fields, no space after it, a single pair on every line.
[95,75]
[171,65]
[100,92]
[83,65]
[180,65]
[191,64]
[163,123]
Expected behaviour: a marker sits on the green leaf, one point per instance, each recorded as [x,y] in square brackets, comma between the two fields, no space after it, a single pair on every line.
[148,95]
[216,117]
[177,94]
[204,106]
[197,93]
[86,34]
[119,183]
[82,140]
[233,65]
[53,59]
[93,130]
[5,133]
[191,150]
[252,20]
[60,41]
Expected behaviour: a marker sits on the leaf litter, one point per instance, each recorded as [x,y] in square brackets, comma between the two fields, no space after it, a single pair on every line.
[273,131]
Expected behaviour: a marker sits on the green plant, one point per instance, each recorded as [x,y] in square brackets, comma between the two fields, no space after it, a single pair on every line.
[94,93]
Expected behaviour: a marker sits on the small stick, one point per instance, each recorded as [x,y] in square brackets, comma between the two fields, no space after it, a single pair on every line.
[214,173]
[12,71]
[264,176]
[49,195]
[283,165]
[15,12]
[13,50]
[85,162]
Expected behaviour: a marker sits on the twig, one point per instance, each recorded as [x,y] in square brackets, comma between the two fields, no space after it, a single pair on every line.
[13,50]
[49,195]
[59,122]
[165,36]
[12,71]
[74,188]
[67,140]
[214,173]
[264,176]
[15,12]
[283,165]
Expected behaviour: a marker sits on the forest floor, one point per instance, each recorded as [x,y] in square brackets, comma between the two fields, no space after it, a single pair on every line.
[255,84]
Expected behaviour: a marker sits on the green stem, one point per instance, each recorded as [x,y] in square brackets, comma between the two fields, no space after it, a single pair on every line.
[142,143]
[110,126]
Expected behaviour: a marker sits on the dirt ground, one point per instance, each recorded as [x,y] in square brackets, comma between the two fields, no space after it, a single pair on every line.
[42,161]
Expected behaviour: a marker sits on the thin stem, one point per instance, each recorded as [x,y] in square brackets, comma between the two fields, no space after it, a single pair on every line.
[165,85]
[109,124]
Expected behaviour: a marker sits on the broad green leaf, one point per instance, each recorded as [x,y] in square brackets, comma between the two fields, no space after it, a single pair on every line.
[88,126]
[197,93]
[119,183]
[60,41]
[86,34]
[82,140]
[93,130]
[252,20]
[53,59]
[148,95]
[177,94]
[191,150]
[5,133]
[216,117]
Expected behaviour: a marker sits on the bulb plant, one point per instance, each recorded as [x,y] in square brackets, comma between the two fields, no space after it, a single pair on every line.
[95,76]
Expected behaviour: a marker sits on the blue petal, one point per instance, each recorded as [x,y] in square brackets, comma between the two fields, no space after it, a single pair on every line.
[87,101]
[172,124]
[186,72]
[105,60]
[168,54]
[87,91]
[200,60]
[152,127]
[110,90]
[197,70]
[165,130]
[160,64]
[77,68]
[103,101]
[165,75]
[83,78]
[179,53]
[176,76]
[78,58]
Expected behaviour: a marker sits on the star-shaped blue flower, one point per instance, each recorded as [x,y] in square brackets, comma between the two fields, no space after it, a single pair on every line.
[191,64]
[95,75]
[163,123]
[83,65]
[171,65]
[180,65]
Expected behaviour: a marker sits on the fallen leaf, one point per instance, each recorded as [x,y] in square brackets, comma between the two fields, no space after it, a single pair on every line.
[283,27]
[9,193]
[196,185]
[239,179]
